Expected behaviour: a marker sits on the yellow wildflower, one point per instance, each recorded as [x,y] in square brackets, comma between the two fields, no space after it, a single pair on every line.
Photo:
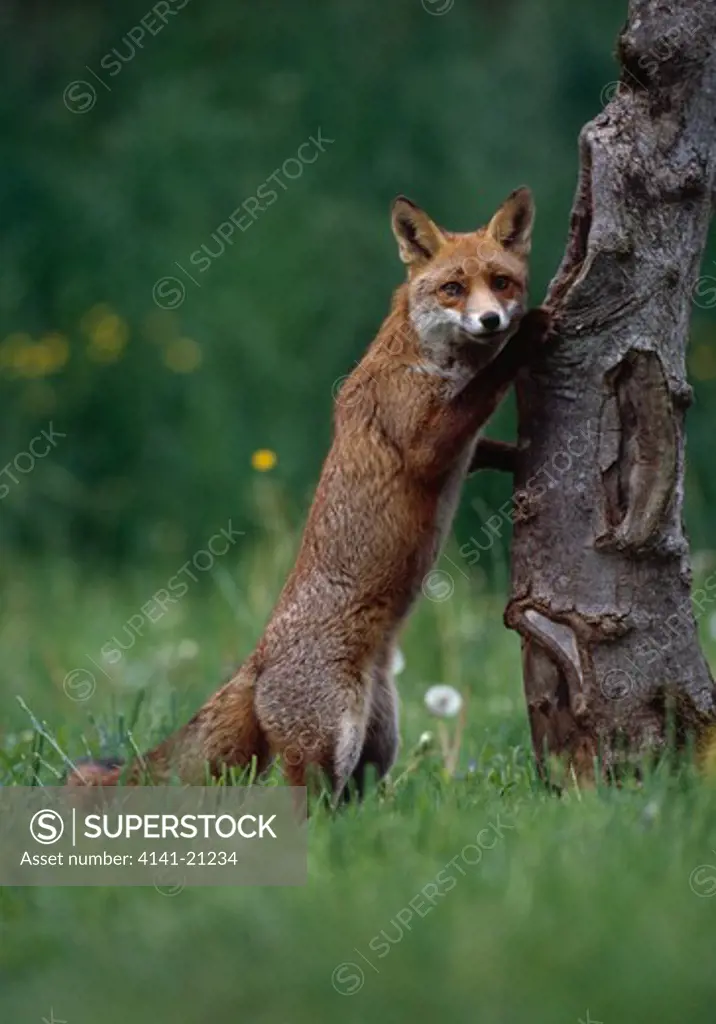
[264,459]
[182,355]
[108,333]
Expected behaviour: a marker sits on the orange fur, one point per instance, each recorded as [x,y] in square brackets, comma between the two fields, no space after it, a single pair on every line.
[318,689]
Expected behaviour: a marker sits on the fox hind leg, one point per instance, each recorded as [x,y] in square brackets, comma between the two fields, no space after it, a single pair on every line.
[382,738]
[349,746]
[328,734]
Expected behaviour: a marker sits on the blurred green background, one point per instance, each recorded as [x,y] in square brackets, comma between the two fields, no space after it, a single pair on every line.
[177,407]
[126,146]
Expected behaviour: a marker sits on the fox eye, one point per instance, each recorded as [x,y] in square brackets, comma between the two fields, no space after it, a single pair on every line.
[452,288]
[500,282]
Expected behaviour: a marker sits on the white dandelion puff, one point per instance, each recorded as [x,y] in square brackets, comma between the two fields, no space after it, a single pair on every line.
[187,649]
[443,701]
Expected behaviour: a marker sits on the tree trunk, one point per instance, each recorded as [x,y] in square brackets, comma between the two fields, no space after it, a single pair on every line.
[601,575]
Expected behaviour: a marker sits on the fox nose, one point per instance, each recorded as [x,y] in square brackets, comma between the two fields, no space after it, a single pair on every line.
[490,321]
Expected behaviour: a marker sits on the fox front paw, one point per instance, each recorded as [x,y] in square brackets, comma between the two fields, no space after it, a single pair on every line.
[538,325]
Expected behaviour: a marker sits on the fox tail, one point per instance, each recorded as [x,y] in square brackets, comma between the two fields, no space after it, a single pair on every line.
[224,733]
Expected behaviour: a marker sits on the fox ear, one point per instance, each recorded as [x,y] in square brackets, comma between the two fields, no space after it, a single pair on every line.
[417,236]
[511,226]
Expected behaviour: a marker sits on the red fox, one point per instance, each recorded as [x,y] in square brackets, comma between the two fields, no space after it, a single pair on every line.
[318,690]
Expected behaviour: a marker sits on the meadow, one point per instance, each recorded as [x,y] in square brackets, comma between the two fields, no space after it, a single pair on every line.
[471,896]
[467,895]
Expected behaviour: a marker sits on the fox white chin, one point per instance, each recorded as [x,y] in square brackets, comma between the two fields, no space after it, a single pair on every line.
[446,335]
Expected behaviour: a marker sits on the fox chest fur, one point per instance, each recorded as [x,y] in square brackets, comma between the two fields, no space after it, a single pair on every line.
[378,522]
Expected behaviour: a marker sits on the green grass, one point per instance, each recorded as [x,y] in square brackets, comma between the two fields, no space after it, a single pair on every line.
[581,903]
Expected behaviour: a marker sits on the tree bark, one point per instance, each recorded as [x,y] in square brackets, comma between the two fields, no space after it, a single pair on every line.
[601,575]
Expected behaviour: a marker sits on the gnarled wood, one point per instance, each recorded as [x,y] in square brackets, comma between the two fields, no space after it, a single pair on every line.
[600,565]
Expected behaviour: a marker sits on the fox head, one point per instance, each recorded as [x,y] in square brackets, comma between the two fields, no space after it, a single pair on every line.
[466,292]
